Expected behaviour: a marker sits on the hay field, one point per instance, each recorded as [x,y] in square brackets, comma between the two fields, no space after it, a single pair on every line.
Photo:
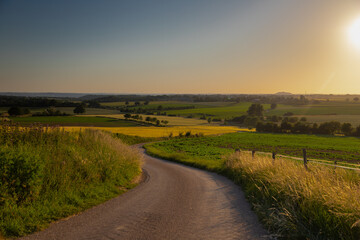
[164,131]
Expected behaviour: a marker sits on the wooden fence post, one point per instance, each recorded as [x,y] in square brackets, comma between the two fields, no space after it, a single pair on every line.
[305,159]
[273,156]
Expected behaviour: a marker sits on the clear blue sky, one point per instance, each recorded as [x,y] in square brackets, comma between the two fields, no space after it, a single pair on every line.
[188,46]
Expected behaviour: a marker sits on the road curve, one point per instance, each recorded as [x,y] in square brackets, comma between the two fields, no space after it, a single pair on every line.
[173,202]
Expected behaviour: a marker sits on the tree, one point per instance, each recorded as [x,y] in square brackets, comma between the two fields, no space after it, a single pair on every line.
[127,103]
[347,129]
[146,103]
[15,111]
[273,106]
[209,120]
[137,103]
[127,115]
[79,109]
[255,109]
[356,99]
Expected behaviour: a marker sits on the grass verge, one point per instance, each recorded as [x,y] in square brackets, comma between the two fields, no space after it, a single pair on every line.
[48,174]
[321,203]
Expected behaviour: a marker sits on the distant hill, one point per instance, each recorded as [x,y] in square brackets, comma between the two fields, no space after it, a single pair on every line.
[283,93]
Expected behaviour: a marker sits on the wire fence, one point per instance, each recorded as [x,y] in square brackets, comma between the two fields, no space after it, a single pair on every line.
[304,159]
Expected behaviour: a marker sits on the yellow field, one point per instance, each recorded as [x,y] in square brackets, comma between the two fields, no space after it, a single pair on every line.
[173,121]
[164,131]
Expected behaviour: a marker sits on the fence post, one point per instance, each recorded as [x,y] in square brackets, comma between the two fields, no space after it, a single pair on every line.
[273,156]
[253,154]
[305,159]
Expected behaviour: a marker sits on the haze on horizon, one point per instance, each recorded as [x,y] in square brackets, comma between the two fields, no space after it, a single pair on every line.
[189,46]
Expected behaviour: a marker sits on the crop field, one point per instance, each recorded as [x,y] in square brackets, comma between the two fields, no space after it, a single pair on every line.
[229,110]
[166,104]
[173,121]
[74,121]
[69,110]
[164,131]
[328,108]
[330,148]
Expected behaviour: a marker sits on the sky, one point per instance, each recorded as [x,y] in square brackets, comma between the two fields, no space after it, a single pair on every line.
[187,46]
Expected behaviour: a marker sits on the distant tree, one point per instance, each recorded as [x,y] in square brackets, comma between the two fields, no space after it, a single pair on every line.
[288,114]
[15,111]
[357,132]
[273,106]
[94,104]
[209,120]
[251,121]
[160,107]
[356,99]
[79,109]
[127,103]
[255,109]
[127,115]
[146,103]
[137,103]
[347,129]
[148,119]
[164,122]
[303,119]
[329,127]
[157,122]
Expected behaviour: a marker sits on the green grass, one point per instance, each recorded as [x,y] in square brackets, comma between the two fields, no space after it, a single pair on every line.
[332,148]
[75,121]
[132,140]
[223,111]
[293,203]
[327,108]
[48,174]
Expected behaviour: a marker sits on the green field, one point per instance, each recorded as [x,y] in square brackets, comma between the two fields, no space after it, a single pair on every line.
[70,110]
[332,148]
[326,108]
[75,121]
[223,111]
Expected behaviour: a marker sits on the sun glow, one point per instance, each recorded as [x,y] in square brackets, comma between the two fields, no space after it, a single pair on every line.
[354,33]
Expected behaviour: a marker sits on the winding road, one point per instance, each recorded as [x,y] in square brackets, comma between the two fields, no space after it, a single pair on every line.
[173,202]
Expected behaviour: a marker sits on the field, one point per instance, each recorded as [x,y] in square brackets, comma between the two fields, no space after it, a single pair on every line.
[345,149]
[223,111]
[69,110]
[294,203]
[75,121]
[173,121]
[48,174]
[164,131]
[326,108]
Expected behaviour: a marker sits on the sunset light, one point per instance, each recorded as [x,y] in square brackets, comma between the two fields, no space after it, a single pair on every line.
[354,33]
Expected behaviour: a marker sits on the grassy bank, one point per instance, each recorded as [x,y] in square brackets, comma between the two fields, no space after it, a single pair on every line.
[321,203]
[48,174]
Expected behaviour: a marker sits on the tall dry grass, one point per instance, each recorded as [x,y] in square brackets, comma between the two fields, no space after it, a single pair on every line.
[321,203]
[48,173]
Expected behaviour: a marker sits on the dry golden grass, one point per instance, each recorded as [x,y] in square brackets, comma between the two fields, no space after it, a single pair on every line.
[173,121]
[321,199]
[164,131]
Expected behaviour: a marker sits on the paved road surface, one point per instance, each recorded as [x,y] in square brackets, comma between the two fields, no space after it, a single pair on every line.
[173,202]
